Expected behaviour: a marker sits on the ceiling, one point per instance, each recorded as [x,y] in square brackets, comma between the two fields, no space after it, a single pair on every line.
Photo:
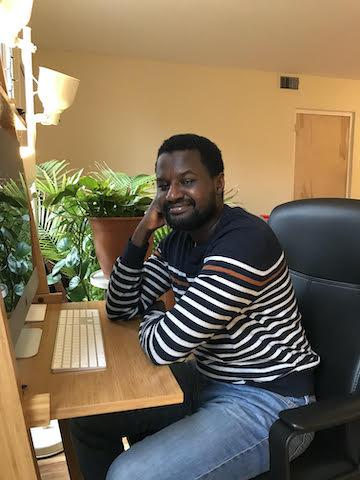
[290,36]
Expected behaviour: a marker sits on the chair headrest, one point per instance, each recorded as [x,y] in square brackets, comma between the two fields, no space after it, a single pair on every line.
[320,237]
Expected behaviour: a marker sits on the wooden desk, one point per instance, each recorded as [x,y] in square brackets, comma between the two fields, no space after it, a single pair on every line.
[129,382]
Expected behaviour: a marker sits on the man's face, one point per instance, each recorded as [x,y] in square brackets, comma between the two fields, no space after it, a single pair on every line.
[185,189]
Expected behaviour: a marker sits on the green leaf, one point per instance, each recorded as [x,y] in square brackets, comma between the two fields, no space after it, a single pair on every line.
[83,268]
[89,182]
[19,289]
[78,294]
[74,282]
[87,243]
[73,258]
[6,233]
[10,200]
[19,267]
[52,279]
[58,266]
[22,250]
[64,244]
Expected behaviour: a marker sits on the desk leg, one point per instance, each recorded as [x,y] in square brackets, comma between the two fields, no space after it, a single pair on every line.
[71,458]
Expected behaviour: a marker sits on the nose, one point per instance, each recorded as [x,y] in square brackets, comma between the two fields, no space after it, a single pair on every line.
[174,193]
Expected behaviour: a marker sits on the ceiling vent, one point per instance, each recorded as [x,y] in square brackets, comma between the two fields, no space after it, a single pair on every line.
[291,83]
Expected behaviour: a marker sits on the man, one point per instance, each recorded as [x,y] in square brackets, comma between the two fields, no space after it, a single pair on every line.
[235,312]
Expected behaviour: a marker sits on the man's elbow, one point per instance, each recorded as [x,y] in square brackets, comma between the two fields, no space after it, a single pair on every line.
[115,315]
[159,360]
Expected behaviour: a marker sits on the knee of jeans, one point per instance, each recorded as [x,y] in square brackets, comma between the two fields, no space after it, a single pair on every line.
[128,466]
[120,471]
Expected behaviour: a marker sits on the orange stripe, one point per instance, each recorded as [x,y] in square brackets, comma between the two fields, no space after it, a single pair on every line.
[240,276]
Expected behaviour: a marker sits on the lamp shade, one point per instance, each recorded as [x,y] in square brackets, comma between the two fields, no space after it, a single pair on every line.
[14,15]
[56,92]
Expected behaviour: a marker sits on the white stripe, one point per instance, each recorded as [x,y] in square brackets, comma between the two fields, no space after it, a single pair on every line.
[164,347]
[180,273]
[153,265]
[135,281]
[120,302]
[211,300]
[283,279]
[244,266]
[221,292]
[281,304]
[260,301]
[204,310]
[121,266]
[274,340]
[151,274]
[196,320]
[273,368]
[219,377]
[279,315]
[125,277]
[273,302]
[154,284]
[148,290]
[235,286]
[254,331]
[184,327]
[180,291]
[176,339]
[267,334]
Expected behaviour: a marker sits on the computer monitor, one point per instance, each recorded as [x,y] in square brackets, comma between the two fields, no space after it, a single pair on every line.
[18,276]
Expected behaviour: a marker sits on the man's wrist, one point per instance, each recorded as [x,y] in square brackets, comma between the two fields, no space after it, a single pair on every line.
[141,235]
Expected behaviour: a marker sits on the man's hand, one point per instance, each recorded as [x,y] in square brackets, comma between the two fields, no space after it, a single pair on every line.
[152,220]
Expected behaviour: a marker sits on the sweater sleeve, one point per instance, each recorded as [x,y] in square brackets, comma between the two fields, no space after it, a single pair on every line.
[134,284]
[221,293]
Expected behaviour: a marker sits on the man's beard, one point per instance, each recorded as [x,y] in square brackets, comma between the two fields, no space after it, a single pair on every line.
[195,220]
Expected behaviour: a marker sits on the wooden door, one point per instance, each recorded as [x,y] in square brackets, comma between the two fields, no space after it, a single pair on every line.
[321,155]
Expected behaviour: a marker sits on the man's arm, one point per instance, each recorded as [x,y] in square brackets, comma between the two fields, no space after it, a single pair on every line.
[221,293]
[135,285]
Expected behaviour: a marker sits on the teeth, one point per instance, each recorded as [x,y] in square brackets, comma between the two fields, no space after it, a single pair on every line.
[178,208]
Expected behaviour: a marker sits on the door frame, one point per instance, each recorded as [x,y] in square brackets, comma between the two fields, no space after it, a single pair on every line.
[349,159]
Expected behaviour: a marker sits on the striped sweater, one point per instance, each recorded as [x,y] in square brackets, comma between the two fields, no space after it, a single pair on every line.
[235,305]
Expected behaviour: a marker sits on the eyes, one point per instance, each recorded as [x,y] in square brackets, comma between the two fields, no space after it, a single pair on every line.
[186,182]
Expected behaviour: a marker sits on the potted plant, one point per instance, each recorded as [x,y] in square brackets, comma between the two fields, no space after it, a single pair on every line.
[114,202]
[65,237]
[15,245]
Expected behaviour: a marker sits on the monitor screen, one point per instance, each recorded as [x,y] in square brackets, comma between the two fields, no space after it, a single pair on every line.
[17,280]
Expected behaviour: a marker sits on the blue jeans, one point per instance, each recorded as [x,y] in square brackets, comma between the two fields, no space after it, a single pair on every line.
[219,433]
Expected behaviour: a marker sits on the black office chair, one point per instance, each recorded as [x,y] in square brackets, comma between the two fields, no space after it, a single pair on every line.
[321,240]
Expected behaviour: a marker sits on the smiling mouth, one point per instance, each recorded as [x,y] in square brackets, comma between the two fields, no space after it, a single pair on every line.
[178,209]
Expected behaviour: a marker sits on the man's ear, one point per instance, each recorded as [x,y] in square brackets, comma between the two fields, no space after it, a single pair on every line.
[220,184]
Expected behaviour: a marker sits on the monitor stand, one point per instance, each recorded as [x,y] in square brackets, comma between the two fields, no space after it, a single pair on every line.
[28,342]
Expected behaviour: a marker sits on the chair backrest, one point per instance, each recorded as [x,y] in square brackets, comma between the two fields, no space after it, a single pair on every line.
[321,240]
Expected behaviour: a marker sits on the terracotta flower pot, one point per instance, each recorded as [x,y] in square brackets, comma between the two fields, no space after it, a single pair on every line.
[111,235]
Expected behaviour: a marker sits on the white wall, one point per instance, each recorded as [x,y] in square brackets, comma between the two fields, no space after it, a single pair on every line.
[125,108]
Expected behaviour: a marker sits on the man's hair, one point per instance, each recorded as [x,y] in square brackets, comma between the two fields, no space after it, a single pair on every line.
[209,152]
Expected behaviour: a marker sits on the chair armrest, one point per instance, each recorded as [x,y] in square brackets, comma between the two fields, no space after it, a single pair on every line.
[316,416]
[323,414]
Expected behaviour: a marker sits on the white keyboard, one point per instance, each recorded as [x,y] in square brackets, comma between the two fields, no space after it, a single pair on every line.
[79,343]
